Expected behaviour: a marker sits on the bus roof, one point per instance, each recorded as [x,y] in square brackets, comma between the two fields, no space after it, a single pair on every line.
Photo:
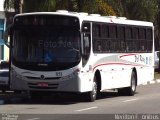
[93,17]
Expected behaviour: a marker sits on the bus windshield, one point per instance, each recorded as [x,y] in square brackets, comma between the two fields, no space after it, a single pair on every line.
[46,47]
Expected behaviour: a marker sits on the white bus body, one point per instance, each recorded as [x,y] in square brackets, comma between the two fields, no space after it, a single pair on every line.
[123,59]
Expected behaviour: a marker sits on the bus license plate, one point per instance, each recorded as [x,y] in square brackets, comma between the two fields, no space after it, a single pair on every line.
[43,84]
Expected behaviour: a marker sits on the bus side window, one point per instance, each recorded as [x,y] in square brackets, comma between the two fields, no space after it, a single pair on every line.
[99,48]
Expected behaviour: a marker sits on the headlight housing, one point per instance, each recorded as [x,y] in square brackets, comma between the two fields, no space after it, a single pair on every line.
[14,73]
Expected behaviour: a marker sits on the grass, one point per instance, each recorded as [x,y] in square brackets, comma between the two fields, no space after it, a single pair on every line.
[157,75]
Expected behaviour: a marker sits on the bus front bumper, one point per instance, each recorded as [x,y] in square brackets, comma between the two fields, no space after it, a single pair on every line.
[59,85]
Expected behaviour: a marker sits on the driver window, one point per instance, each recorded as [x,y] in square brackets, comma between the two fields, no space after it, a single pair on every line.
[86,42]
[86,48]
[86,45]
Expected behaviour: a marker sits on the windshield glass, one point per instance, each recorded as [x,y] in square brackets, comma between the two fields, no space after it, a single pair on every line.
[46,48]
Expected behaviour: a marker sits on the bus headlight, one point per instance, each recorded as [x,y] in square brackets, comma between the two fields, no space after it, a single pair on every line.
[14,73]
[73,75]
[68,77]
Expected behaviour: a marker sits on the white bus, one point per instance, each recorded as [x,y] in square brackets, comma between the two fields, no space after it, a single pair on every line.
[76,52]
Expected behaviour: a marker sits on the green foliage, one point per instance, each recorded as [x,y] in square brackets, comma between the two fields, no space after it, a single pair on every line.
[132,9]
[89,6]
[39,5]
[8,4]
[140,9]
[135,9]
[105,9]
[117,6]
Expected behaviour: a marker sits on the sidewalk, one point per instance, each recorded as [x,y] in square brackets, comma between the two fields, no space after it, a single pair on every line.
[151,82]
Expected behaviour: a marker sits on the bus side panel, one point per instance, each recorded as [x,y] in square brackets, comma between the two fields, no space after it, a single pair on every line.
[116,78]
[145,74]
[86,81]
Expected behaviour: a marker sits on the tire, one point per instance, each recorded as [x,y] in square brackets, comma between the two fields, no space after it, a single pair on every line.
[92,95]
[130,91]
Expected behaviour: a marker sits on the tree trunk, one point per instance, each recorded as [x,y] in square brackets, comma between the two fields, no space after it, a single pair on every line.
[18,6]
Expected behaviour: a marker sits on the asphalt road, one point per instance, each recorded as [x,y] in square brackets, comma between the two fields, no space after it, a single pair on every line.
[144,105]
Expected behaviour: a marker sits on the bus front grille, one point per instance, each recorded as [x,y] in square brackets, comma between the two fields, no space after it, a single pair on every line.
[48,78]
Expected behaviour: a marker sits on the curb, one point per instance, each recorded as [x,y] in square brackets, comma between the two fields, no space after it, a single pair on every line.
[151,82]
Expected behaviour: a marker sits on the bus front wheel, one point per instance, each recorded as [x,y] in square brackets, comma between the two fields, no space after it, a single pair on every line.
[92,95]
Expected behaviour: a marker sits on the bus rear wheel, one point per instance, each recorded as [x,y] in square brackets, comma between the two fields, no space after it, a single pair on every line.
[130,91]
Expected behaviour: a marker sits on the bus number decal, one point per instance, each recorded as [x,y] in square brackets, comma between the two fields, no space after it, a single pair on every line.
[59,74]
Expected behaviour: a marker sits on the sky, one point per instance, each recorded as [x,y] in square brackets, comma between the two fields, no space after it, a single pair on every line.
[1,5]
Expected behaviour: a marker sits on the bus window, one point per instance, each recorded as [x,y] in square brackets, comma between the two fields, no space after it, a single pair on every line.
[86,44]
[86,48]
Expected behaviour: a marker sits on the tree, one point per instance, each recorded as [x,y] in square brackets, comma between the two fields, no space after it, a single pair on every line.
[114,3]
[15,5]
[136,9]
[90,6]
[157,29]
[105,9]
[8,5]
[11,8]
[39,5]
[94,6]
[141,10]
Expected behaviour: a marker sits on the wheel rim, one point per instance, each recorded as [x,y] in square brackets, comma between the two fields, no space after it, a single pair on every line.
[94,92]
[133,83]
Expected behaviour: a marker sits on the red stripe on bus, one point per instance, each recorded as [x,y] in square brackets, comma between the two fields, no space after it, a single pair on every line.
[114,64]
[126,55]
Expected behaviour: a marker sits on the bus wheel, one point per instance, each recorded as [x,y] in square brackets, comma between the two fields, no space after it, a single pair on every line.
[129,90]
[132,89]
[92,95]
